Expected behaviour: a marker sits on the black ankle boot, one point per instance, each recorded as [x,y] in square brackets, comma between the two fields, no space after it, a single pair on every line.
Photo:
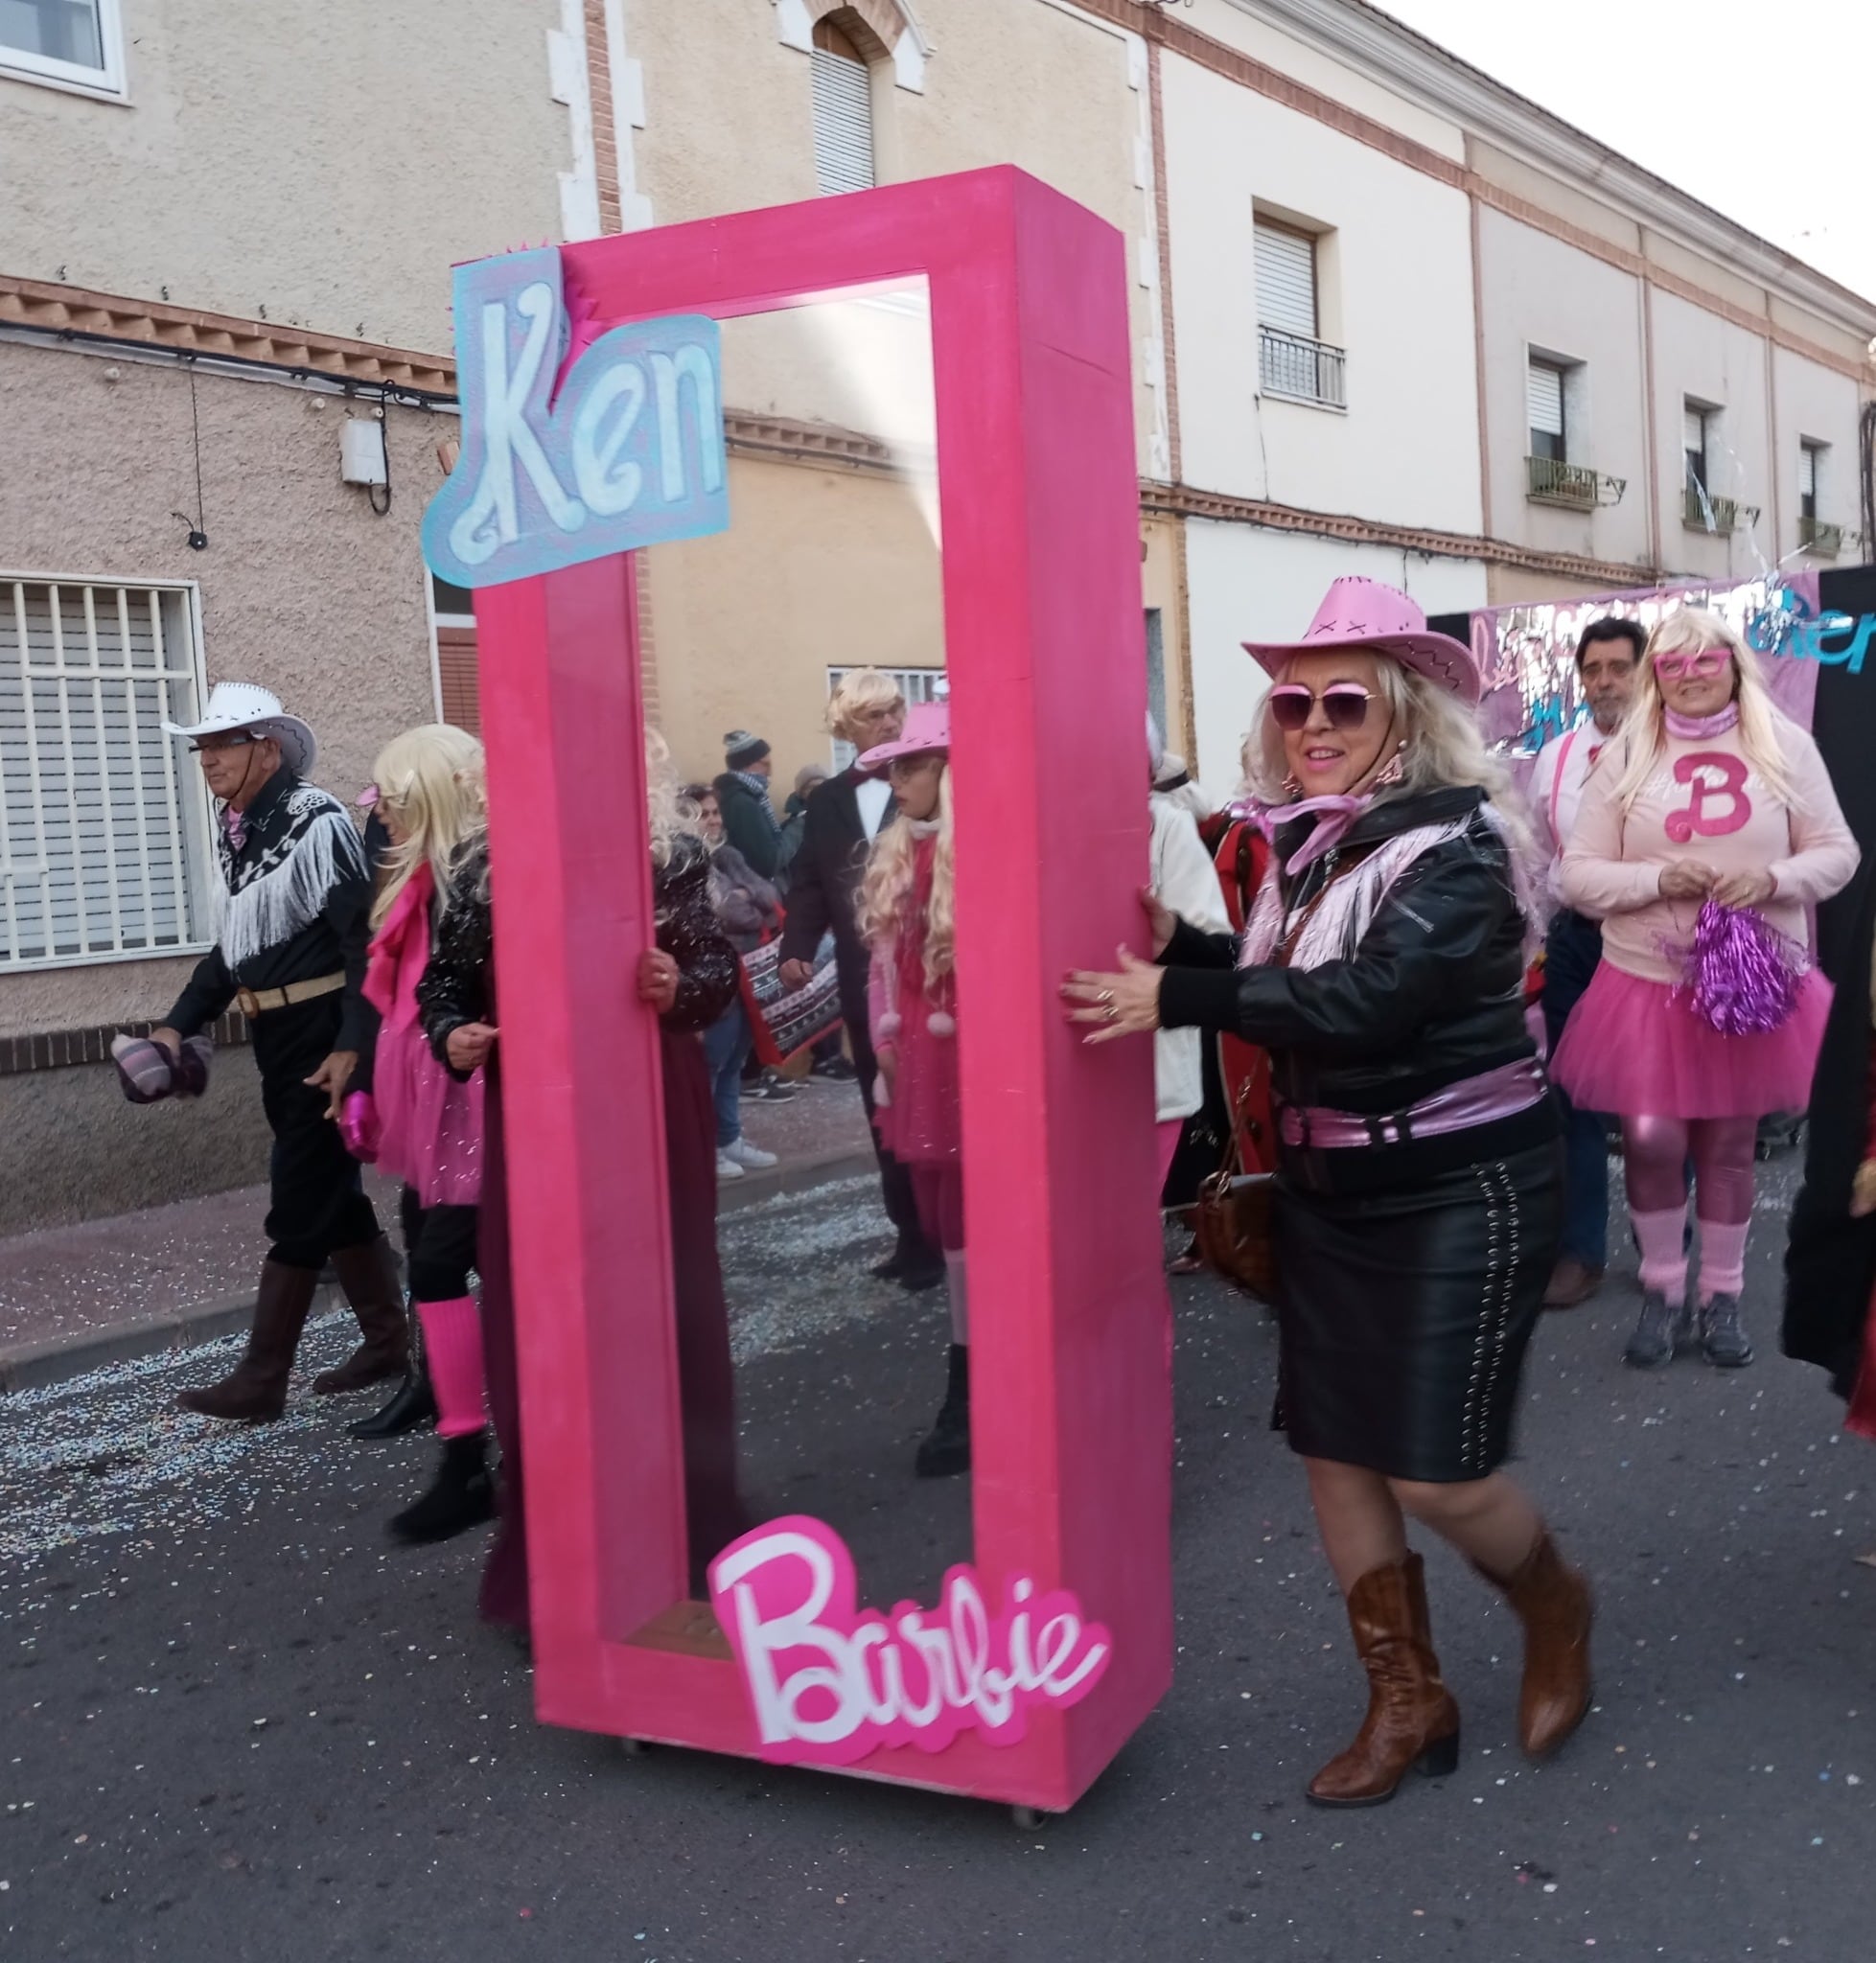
[461,1497]
[412,1403]
[945,1448]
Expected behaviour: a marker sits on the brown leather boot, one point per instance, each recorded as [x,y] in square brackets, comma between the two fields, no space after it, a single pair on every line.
[368,1273]
[1554,1603]
[256,1390]
[1412,1720]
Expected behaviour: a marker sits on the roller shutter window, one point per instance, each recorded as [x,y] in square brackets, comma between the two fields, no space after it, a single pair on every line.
[1545,397]
[457,680]
[104,821]
[842,122]
[1286,264]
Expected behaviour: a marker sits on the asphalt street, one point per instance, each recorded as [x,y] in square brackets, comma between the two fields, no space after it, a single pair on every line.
[236,1723]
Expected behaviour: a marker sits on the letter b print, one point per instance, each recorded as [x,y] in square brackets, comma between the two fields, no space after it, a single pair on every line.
[1717,779]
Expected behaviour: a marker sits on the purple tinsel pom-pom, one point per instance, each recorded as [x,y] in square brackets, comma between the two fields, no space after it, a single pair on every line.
[1740,975]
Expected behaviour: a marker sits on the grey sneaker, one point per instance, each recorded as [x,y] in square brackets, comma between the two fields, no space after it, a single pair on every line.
[1720,1336]
[1663,1325]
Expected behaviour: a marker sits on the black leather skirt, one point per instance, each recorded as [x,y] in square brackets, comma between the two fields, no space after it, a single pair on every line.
[1404,1314]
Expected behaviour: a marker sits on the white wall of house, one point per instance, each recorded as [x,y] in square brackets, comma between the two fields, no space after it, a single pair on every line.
[1248,584]
[1815,404]
[1540,297]
[1393,272]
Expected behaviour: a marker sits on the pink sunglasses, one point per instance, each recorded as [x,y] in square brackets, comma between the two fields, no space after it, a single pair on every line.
[1703,662]
[1344,703]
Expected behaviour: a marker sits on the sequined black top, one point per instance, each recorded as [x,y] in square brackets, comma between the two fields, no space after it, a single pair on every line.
[458,986]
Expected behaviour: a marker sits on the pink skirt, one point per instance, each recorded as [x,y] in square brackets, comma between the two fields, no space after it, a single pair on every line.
[1631,1050]
[429,1123]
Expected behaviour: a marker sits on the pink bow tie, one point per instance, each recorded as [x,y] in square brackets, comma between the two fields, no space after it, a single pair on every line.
[235,823]
[1334,818]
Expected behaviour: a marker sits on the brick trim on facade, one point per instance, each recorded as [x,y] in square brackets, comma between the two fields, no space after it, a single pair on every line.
[185,330]
[68,1048]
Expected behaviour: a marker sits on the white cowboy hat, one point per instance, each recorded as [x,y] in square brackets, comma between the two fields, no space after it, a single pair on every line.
[243,705]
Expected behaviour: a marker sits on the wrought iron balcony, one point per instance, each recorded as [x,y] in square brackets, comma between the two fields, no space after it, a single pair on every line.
[1821,540]
[1727,512]
[1550,480]
[1304,371]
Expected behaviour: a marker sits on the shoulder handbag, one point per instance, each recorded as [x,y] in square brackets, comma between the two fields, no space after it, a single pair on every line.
[1234,1225]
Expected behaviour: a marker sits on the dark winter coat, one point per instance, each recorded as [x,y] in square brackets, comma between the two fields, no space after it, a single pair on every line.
[749,823]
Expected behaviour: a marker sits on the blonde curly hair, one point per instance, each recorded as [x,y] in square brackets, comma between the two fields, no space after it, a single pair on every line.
[886,888]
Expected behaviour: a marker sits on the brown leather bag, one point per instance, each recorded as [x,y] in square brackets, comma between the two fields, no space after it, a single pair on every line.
[1233,1224]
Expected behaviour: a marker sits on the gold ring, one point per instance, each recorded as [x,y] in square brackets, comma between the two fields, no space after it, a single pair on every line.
[1105,998]
[1109,1013]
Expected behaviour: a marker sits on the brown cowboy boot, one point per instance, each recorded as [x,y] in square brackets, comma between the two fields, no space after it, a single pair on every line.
[256,1390]
[368,1273]
[1412,1720]
[1554,1603]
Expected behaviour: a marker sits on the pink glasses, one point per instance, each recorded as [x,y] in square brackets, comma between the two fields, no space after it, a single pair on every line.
[1344,703]
[1703,662]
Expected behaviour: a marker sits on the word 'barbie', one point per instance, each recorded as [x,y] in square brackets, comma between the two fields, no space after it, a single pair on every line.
[830,1684]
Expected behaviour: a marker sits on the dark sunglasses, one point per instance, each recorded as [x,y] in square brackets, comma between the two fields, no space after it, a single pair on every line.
[1345,704]
[233,739]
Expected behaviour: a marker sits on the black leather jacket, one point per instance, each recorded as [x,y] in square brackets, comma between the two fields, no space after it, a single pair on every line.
[1434,993]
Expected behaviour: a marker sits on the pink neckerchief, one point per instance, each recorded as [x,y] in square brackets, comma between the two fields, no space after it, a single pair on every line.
[1692,728]
[235,823]
[400,948]
[1336,816]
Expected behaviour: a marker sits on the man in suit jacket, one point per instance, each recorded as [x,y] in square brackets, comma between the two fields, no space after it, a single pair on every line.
[844,818]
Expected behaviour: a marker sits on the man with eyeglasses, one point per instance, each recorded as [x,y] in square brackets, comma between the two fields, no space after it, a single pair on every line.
[291,955]
[843,818]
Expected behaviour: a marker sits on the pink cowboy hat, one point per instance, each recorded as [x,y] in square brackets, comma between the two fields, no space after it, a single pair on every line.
[1364,614]
[928,728]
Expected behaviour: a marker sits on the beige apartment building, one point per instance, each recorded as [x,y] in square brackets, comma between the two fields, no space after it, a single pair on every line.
[1388,317]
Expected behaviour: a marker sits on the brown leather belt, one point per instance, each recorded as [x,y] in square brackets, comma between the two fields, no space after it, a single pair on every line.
[257,1002]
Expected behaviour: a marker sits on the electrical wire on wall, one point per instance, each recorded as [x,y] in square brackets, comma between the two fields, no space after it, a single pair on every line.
[384,438]
[197,528]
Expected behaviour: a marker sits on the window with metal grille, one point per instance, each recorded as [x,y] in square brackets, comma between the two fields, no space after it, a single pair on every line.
[843,113]
[104,823]
[1543,391]
[1810,459]
[1286,266]
[77,42]
[915,684]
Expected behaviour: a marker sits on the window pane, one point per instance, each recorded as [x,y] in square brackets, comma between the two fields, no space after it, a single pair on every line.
[61,30]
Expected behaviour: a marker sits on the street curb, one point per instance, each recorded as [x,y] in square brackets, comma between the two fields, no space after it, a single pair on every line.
[52,1359]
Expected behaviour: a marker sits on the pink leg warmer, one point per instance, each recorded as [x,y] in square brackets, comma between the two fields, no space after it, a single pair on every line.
[453,1346]
[1723,1256]
[1663,1255]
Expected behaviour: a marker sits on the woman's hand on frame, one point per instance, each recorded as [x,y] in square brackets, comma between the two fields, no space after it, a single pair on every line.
[1126,1004]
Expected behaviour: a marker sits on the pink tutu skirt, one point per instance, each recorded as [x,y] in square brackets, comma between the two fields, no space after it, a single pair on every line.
[1632,1048]
[430,1123]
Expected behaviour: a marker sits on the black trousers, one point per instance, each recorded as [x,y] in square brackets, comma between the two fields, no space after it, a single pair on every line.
[895,1181]
[439,1248]
[317,1201]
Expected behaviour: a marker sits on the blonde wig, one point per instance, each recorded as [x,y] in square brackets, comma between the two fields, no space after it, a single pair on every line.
[1441,746]
[1763,725]
[861,688]
[886,888]
[673,815]
[430,784]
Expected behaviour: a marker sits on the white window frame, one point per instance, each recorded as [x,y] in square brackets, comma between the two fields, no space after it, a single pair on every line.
[915,685]
[194,809]
[109,83]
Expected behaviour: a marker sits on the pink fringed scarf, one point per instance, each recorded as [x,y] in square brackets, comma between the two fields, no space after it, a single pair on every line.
[1333,928]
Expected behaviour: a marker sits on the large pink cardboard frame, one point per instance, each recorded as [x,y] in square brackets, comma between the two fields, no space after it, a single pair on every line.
[1070,1403]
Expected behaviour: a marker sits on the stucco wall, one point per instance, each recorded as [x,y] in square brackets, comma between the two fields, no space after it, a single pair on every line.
[321,165]
[729,124]
[1816,404]
[1400,266]
[303,589]
[1538,294]
[77,1150]
[1250,585]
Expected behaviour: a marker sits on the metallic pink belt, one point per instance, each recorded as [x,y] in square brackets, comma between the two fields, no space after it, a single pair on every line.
[1501,1092]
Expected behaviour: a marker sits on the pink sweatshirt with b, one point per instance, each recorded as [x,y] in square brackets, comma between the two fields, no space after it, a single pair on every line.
[1703,801]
